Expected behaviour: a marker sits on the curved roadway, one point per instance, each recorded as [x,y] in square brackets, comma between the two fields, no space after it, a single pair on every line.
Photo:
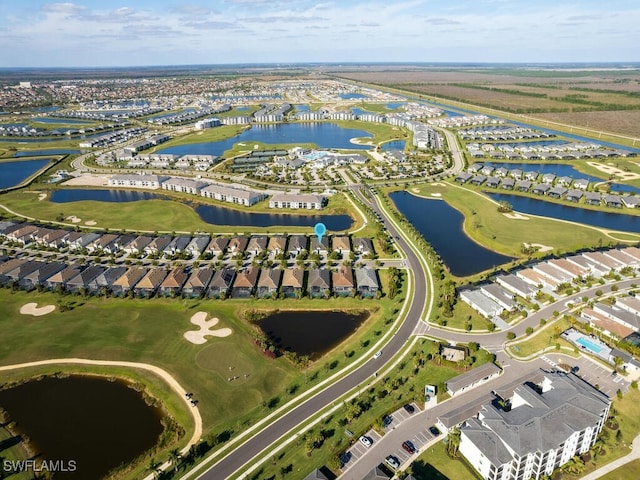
[269,435]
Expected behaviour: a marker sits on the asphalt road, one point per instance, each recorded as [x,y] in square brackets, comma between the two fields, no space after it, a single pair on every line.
[270,435]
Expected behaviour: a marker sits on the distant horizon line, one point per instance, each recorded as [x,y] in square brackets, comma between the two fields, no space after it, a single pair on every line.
[595,63]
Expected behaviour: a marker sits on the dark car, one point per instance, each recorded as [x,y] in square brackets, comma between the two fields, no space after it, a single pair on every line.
[409,408]
[409,447]
[434,431]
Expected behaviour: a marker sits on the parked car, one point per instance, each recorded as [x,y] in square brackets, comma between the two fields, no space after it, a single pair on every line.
[386,420]
[409,447]
[366,441]
[392,461]
[409,408]
[434,430]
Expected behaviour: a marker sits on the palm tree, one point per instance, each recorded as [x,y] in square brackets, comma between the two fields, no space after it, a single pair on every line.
[154,468]
[453,442]
[174,459]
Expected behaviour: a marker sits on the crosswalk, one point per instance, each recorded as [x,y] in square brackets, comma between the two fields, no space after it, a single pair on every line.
[549,361]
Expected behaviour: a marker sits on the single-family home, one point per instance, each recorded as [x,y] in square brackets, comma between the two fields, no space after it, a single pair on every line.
[367,282]
[342,280]
[277,244]
[149,284]
[297,244]
[84,278]
[128,280]
[238,244]
[245,282]
[197,245]
[363,246]
[257,244]
[269,282]
[321,247]
[217,246]
[292,282]
[319,283]
[574,195]
[38,276]
[171,286]
[197,283]
[221,282]
[103,282]
[59,279]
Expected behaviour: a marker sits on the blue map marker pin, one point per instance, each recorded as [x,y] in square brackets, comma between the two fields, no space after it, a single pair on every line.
[320,230]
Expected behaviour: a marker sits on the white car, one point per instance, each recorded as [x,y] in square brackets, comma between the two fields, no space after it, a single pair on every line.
[377,355]
[366,441]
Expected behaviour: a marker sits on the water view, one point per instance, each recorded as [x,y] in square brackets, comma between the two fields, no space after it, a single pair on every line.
[13,173]
[311,333]
[95,422]
[213,214]
[37,153]
[442,226]
[596,218]
[324,135]
[219,215]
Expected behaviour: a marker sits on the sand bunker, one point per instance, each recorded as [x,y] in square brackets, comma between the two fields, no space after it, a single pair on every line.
[90,222]
[541,247]
[438,184]
[74,219]
[415,190]
[42,196]
[198,336]
[516,216]
[436,194]
[32,309]
[611,170]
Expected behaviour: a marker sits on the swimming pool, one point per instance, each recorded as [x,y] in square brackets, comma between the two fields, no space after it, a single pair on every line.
[595,348]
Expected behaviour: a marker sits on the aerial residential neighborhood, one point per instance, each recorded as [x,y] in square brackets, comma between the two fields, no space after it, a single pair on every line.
[300,241]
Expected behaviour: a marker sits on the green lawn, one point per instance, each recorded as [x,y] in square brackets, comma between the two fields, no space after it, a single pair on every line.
[626,472]
[155,215]
[543,337]
[10,451]
[435,464]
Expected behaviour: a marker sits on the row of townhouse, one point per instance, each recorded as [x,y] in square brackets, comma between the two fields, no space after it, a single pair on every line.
[221,283]
[169,245]
[189,115]
[111,138]
[159,161]
[494,297]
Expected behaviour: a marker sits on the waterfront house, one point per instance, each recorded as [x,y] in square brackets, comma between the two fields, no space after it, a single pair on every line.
[238,244]
[493,182]
[319,284]
[516,173]
[548,178]
[612,201]
[367,282]
[245,282]
[541,188]
[217,246]
[564,181]
[581,183]
[342,280]
[341,244]
[508,183]
[269,282]
[177,245]
[277,244]
[574,195]
[531,175]
[297,244]
[297,201]
[320,247]
[478,180]
[523,185]
[257,244]
[138,245]
[157,245]
[557,192]
[463,177]
[197,245]
[592,198]
[630,202]
[292,282]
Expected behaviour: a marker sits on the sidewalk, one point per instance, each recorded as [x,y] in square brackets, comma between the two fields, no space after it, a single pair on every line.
[633,455]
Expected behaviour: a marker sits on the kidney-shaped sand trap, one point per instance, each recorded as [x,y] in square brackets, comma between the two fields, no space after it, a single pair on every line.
[32,309]
[198,336]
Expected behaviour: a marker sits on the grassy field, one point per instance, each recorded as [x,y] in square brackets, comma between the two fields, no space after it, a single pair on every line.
[484,224]
[542,338]
[626,472]
[153,215]
[435,464]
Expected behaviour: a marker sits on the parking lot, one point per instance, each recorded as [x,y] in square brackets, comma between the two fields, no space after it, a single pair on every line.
[594,373]
[358,450]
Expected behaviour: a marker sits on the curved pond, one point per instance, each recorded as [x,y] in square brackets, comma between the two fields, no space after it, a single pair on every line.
[13,173]
[95,423]
[213,214]
[310,333]
[324,135]
[67,121]
[36,153]
[442,226]
[596,218]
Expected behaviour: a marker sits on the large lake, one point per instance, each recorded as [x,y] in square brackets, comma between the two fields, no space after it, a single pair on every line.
[310,333]
[97,423]
[13,173]
[442,226]
[324,135]
[596,218]
[213,214]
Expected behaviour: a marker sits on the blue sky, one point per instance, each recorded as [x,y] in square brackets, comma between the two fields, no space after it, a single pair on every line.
[162,32]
